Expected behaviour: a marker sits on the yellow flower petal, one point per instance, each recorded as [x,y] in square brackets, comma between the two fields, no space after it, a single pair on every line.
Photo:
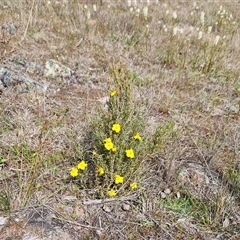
[107,140]
[111,193]
[114,149]
[133,185]
[137,137]
[113,93]
[82,165]
[118,179]
[74,172]
[100,171]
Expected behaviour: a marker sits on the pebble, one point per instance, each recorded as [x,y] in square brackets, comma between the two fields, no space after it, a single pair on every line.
[226,222]
[178,195]
[167,191]
[3,220]
[69,198]
[54,69]
[126,207]
[107,209]
[163,195]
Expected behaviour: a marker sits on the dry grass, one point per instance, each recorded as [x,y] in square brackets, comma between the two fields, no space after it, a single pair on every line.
[190,82]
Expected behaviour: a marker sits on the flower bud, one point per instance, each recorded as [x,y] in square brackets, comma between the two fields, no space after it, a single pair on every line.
[174,15]
[217,38]
[202,18]
[145,12]
[209,29]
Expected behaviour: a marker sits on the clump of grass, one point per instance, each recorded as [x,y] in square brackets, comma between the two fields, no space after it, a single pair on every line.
[4,42]
[4,201]
[179,205]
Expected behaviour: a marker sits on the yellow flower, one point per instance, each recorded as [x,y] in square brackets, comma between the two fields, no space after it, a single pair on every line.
[82,165]
[113,93]
[107,140]
[94,153]
[118,179]
[130,153]
[116,127]
[111,193]
[133,185]
[137,137]
[108,145]
[74,172]
[114,149]
[100,171]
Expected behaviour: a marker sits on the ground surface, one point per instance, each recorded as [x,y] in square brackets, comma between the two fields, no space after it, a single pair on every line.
[184,58]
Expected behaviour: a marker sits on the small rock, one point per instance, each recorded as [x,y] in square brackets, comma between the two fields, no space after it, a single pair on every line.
[126,207]
[5,77]
[11,78]
[3,220]
[54,68]
[163,195]
[107,209]
[167,191]
[217,112]
[178,195]
[226,222]
[232,108]
[10,27]
[69,198]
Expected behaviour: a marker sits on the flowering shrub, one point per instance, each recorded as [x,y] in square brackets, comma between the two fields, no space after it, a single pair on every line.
[118,147]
